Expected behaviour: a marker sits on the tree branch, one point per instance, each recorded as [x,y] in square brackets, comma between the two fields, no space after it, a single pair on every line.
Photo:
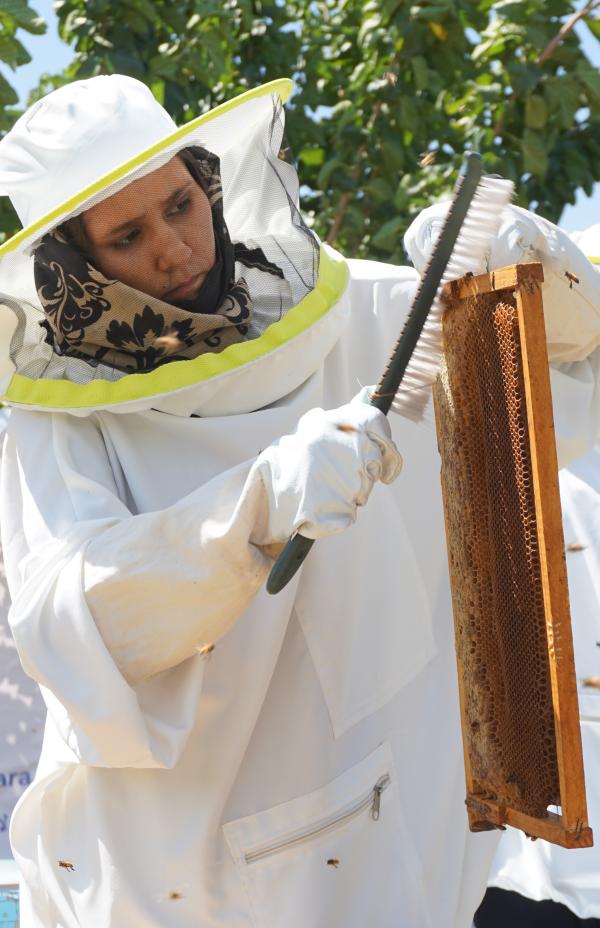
[565,29]
[339,218]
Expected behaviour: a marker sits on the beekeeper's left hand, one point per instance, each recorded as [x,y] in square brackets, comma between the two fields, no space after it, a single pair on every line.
[317,477]
[570,291]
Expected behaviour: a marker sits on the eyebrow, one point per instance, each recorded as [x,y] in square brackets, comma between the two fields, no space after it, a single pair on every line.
[129,222]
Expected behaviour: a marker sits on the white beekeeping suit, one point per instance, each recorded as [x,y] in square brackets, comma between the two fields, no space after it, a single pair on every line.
[539,870]
[214,755]
[22,714]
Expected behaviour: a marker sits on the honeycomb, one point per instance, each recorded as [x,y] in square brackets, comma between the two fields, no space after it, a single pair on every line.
[494,559]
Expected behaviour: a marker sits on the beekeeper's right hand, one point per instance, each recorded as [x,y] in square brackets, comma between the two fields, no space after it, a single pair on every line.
[316,478]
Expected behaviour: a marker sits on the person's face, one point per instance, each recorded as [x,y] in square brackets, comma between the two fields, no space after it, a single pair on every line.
[155,235]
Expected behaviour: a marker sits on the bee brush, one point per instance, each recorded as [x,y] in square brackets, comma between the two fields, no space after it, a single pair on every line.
[469,228]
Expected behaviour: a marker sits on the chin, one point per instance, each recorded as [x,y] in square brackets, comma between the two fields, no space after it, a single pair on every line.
[185,303]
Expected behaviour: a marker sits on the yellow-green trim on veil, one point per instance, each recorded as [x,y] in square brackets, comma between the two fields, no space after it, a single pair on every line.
[44,393]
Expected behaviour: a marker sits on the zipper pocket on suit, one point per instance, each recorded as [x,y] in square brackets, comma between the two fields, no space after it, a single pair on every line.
[371,799]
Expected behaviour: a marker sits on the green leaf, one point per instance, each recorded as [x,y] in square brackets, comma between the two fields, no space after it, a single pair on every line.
[379,190]
[401,198]
[535,156]
[326,171]
[145,8]
[431,11]
[536,112]
[389,235]
[409,114]
[124,62]
[590,77]
[8,96]
[593,24]
[523,76]
[158,89]
[213,47]
[393,155]
[421,72]
[74,21]
[488,49]
[12,53]
[371,23]
[564,96]
[511,5]
[312,157]
[359,70]
[23,15]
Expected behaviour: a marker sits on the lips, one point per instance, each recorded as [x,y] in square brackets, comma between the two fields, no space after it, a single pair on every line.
[185,288]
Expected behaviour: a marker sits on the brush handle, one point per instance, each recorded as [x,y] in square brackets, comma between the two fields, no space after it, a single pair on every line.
[296,550]
[387,387]
[289,561]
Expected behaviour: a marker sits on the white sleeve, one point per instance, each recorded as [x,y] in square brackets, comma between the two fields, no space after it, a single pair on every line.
[159,585]
[576,404]
[571,288]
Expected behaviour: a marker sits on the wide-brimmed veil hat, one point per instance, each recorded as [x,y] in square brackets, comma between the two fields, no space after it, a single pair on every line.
[86,141]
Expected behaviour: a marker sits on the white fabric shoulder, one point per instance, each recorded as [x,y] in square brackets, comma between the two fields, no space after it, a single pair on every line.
[375,271]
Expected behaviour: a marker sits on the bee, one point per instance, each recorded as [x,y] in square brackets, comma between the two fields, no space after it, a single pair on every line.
[333,862]
[344,427]
[66,864]
[205,649]
[572,279]
[426,158]
[168,342]
[593,682]
[174,895]
[575,546]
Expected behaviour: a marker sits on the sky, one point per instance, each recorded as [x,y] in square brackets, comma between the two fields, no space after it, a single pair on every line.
[50,54]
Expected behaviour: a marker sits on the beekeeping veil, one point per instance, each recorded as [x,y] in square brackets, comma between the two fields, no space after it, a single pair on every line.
[272,285]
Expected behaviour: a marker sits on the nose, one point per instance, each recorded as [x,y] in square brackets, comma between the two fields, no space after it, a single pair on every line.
[172,252]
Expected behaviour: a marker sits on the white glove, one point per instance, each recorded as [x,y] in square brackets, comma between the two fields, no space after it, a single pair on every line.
[316,477]
[571,292]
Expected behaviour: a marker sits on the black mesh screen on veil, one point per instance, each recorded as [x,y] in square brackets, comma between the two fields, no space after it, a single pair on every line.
[260,208]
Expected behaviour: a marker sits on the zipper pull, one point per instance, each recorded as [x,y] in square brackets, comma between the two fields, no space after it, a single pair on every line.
[379,787]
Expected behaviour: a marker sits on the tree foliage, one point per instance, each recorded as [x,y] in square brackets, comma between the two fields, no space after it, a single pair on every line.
[14,15]
[388,93]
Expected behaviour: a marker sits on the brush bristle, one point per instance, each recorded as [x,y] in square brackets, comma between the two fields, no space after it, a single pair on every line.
[469,256]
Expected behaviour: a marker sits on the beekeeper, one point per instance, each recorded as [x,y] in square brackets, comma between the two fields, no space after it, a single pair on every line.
[214,755]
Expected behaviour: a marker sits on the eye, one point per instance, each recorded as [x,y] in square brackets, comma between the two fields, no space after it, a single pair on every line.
[127,239]
[180,207]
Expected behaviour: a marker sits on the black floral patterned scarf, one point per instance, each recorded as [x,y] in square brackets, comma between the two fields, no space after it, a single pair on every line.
[100,320]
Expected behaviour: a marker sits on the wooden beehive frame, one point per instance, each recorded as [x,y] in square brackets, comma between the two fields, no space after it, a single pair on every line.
[567,827]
